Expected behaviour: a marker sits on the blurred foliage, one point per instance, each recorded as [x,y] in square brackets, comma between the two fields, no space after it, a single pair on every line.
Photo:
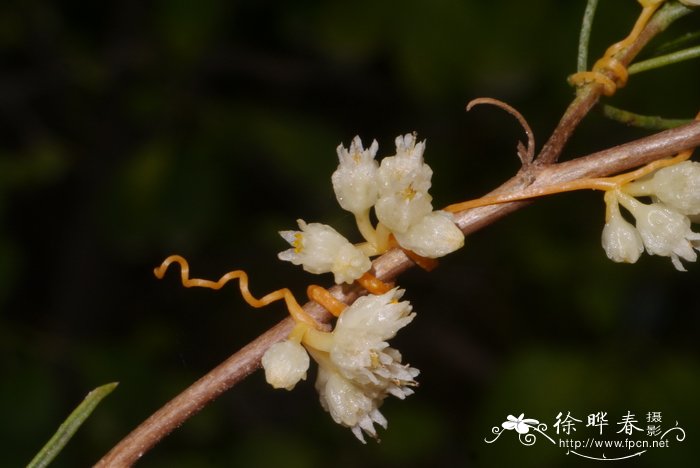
[132,130]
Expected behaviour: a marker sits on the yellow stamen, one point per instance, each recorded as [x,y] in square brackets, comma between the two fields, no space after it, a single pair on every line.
[298,243]
[374,360]
[408,193]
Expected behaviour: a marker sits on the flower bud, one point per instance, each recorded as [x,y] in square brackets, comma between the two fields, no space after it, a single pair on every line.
[404,180]
[354,182]
[621,241]
[321,249]
[285,363]
[401,210]
[678,187]
[436,235]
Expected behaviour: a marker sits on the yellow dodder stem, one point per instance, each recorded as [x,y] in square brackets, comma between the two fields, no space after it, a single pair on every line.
[325,298]
[318,340]
[609,65]
[295,310]
[373,284]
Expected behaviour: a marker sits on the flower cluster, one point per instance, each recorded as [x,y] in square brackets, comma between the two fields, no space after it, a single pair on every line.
[357,367]
[662,227]
[398,190]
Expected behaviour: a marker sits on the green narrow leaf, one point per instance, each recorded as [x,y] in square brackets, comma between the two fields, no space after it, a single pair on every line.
[68,428]
[650,122]
[585,35]
[678,43]
[664,60]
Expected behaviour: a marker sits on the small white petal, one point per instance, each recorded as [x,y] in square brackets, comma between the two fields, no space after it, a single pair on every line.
[358,433]
[289,236]
[379,418]
[677,263]
[367,425]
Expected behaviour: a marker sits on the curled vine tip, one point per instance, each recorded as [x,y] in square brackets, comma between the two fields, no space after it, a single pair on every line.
[160,270]
[295,310]
[525,153]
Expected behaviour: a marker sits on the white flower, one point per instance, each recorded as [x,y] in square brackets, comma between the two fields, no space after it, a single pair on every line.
[436,235]
[690,3]
[621,241]
[404,181]
[401,210]
[521,425]
[357,368]
[360,349]
[677,186]
[349,404]
[354,182]
[406,167]
[285,363]
[321,249]
[664,231]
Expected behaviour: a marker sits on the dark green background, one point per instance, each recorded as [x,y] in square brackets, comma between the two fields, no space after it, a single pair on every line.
[132,130]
